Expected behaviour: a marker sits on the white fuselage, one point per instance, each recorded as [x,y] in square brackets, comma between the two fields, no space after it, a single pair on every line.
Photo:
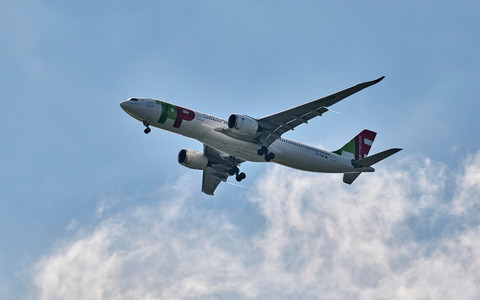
[208,130]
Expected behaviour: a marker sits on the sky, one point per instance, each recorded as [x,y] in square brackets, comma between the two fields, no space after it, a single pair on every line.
[92,208]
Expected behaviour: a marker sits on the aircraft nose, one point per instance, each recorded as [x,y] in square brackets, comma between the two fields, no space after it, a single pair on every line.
[124,105]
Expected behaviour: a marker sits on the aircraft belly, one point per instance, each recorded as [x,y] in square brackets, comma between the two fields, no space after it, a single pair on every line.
[287,155]
[231,146]
[308,160]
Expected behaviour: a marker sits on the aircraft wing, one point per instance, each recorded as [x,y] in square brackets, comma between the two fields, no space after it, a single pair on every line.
[218,168]
[210,182]
[273,126]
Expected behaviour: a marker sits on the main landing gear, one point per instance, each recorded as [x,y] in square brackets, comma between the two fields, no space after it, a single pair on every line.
[264,151]
[236,170]
[147,125]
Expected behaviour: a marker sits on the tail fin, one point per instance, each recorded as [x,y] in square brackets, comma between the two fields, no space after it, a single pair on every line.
[359,146]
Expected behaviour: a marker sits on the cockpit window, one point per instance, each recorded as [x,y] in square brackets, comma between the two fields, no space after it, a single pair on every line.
[134,99]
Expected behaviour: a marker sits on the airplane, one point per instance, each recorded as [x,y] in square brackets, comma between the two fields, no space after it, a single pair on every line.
[241,138]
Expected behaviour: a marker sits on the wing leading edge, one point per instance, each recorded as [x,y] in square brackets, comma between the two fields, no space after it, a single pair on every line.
[273,126]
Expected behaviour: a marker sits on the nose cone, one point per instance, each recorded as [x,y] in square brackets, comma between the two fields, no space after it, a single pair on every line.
[131,107]
[128,106]
[124,105]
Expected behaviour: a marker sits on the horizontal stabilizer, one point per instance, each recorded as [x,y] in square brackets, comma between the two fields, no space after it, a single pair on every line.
[371,160]
[350,177]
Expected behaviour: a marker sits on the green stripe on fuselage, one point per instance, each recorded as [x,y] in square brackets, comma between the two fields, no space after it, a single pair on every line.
[169,111]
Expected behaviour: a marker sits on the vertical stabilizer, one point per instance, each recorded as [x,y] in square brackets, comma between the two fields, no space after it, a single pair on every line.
[359,146]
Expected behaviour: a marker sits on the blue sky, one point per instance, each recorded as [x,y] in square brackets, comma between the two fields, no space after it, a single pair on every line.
[78,173]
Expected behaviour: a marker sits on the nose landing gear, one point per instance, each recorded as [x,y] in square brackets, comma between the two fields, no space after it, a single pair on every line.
[147,125]
[236,170]
[264,151]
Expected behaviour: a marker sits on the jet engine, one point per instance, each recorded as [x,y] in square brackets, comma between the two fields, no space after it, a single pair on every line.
[243,124]
[192,159]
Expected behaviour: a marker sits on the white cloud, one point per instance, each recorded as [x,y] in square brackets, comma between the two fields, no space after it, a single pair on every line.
[468,194]
[392,234]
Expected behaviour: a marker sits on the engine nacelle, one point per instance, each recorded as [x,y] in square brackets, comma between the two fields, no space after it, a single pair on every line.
[243,124]
[192,159]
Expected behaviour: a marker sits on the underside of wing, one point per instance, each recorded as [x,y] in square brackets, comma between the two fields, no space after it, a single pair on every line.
[218,169]
[210,181]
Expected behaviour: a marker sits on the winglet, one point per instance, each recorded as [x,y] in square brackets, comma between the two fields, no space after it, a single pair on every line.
[363,85]
[370,83]
[378,80]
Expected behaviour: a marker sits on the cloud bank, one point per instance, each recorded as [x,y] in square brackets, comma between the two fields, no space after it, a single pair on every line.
[409,231]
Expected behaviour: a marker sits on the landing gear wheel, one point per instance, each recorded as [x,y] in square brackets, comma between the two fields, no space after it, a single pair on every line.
[262,151]
[240,177]
[269,156]
[146,124]
[234,170]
